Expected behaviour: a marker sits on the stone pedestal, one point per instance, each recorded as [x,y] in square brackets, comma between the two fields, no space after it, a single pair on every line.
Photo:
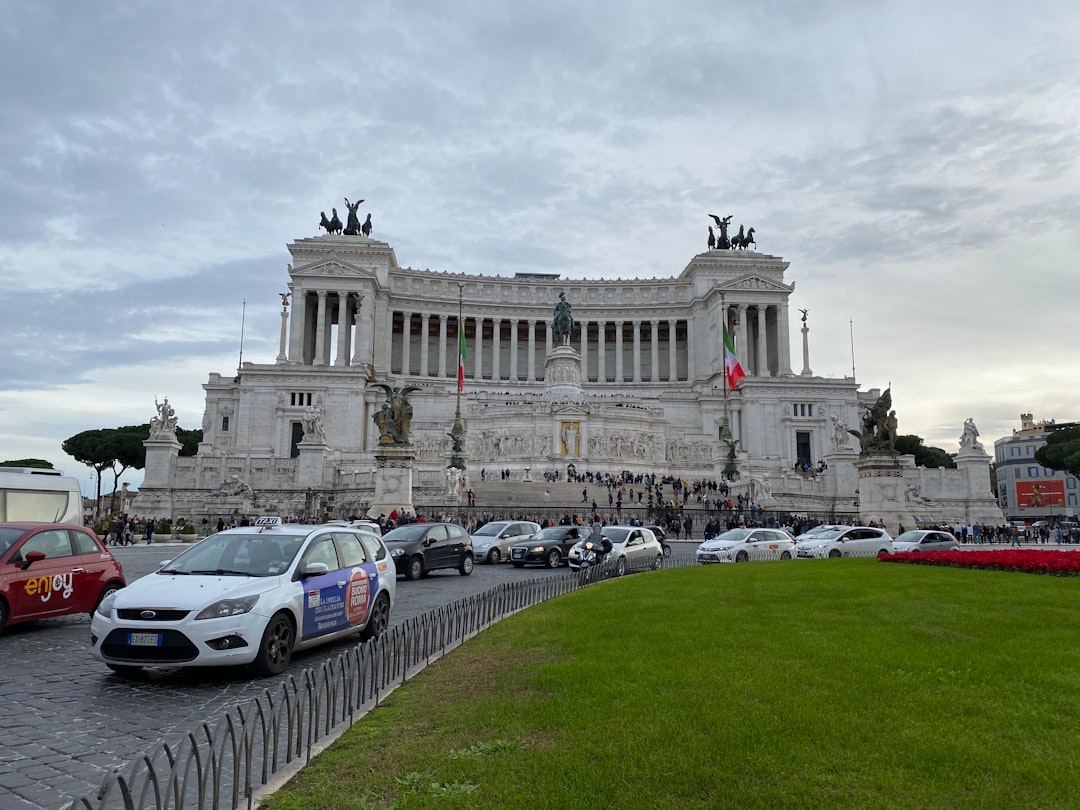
[883,482]
[982,507]
[393,479]
[312,463]
[562,375]
[842,479]
[155,494]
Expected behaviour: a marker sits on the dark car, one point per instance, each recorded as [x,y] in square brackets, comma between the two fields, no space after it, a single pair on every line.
[419,548]
[53,569]
[549,546]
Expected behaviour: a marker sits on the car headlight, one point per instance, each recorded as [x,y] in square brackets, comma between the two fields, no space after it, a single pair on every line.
[537,549]
[228,607]
[397,552]
[104,608]
[481,546]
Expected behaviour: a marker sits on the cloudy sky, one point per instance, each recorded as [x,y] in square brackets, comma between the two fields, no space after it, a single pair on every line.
[918,164]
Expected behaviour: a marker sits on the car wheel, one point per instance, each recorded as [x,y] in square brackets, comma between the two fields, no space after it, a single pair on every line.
[883,553]
[620,567]
[554,558]
[834,553]
[125,670]
[494,556]
[112,587]
[3,614]
[415,568]
[742,556]
[667,551]
[785,555]
[275,648]
[519,565]
[466,566]
[659,562]
[379,619]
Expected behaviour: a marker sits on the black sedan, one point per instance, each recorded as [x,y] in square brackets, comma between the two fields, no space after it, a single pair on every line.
[548,546]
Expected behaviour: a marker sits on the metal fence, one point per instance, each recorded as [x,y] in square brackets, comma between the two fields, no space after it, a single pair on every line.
[256,748]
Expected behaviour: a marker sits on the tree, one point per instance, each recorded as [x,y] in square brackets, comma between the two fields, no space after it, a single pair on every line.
[924,456]
[115,449]
[1061,451]
[37,463]
[189,441]
[92,448]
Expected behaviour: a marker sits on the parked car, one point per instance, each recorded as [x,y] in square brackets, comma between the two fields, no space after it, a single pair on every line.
[492,541]
[550,546]
[744,545]
[632,547]
[844,541]
[251,595]
[420,548]
[661,537]
[53,569]
[925,540]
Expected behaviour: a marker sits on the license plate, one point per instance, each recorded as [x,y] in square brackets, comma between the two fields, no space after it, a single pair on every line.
[144,639]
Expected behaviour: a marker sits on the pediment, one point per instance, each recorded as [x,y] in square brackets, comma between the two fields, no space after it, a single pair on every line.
[333,269]
[569,409]
[754,282]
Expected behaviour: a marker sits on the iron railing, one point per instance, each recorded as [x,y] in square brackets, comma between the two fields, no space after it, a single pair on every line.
[254,749]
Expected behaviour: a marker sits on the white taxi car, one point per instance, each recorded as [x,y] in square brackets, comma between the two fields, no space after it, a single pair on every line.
[844,541]
[744,545]
[249,595]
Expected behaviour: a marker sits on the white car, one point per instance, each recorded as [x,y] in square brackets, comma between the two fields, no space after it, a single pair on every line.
[249,595]
[844,541]
[634,548]
[925,540]
[492,541]
[744,545]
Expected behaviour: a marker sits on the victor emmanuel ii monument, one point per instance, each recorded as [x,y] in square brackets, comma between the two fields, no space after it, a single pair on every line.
[557,370]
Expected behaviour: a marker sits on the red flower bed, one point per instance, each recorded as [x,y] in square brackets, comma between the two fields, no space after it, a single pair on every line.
[1028,560]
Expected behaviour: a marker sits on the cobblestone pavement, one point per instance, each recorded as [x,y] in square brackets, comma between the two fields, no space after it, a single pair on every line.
[67,720]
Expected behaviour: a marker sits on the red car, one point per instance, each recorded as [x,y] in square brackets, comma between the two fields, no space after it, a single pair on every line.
[53,569]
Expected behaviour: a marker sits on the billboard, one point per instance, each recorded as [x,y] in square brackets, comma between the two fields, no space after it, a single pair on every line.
[1040,493]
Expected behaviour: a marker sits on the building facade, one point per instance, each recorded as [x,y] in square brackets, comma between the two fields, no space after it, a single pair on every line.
[1026,490]
[640,388]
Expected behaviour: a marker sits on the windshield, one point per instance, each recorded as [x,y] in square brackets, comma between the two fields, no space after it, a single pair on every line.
[822,534]
[732,536]
[550,533]
[490,529]
[405,534]
[910,537]
[251,555]
[616,534]
[8,538]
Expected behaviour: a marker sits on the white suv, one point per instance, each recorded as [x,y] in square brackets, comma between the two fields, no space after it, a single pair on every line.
[844,541]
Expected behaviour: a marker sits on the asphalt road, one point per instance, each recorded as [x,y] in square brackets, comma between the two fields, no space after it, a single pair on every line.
[67,720]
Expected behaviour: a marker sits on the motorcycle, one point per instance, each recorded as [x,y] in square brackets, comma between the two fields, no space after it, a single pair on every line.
[593,553]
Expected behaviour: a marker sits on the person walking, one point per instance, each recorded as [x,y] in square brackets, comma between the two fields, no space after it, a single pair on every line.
[149,530]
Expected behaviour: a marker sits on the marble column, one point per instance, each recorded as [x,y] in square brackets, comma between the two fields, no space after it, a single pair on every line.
[601,351]
[425,337]
[358,348]
[284,329]
[583,326]
[320,331]
[442,346]
[496,339]
[619,351]
[673,357]
[296,326]
[636,326]
[691,350]
[406,343]
[532,351]
[514,349]
[742,348]
[762,344]
[654,354]
[783,337]
[478,361]
[342,329]
[549,337]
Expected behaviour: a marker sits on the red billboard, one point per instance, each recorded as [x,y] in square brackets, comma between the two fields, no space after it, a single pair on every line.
[1040,493]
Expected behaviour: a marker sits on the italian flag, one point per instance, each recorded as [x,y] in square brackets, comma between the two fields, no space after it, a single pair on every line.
[732,367]
[461,359]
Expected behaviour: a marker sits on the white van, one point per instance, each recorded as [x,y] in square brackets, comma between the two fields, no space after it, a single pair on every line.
[28,493]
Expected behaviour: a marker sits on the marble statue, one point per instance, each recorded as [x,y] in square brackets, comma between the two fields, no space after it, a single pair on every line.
[165,420]
[969,440]
[312,423]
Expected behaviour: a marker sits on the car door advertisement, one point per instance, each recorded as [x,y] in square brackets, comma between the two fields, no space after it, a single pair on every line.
[338,600]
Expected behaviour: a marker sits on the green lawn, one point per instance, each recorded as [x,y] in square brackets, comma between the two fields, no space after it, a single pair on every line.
[824,683]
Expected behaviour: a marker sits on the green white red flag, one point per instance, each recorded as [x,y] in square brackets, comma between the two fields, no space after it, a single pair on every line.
[732,368]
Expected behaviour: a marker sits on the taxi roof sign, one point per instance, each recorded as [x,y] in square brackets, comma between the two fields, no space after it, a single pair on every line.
[268,520]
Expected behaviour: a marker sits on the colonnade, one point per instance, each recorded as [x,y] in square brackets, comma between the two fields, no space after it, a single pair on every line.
[312,339]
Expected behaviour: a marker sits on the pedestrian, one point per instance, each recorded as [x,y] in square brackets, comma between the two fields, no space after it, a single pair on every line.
[688,526]
[547,496]
[149,530]
[585,495]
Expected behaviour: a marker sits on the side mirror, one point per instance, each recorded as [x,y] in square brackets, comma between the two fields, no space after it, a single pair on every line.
[32,557]
[314,569]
